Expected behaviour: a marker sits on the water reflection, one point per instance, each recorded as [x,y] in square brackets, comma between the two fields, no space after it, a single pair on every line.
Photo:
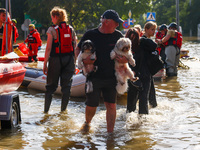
[11,139]
[168,88]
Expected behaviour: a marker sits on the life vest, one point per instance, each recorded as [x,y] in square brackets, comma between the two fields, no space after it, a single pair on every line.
[159,35]
[63,44]
[176,41]
[15,33]
[31,38]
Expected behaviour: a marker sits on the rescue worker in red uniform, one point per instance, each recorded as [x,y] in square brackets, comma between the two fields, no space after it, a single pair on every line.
[173,42]
[34,41]
[59,55]
[15,31]
[159,35]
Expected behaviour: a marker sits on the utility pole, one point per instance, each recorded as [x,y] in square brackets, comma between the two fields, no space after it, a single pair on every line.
[6,26]
[177,14]
[190,21]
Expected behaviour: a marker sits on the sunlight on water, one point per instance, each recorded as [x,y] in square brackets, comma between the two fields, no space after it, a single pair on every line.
[173,124]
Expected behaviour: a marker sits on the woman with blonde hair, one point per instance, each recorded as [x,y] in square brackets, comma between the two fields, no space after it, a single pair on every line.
[59,54]
[143,90]
[149,46]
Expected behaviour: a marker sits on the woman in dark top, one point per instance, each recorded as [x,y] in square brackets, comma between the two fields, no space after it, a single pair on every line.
[141,48]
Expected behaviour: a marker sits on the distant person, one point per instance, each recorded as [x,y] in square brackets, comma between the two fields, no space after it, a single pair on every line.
[59,54]
[159,35]
[138,54]
[144,90]
[104,81]
[139,28]
[149,45]
[173,42]
[2,21]
[15,31]
[34,41]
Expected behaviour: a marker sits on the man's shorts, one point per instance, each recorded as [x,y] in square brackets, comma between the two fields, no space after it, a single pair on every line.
[105,88]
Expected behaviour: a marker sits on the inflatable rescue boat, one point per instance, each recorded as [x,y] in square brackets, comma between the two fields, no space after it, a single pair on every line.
[11,75]
[22,51]
[35,79]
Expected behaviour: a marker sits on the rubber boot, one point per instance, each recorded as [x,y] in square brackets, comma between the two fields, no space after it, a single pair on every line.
[29,59]
[132,98]
[65,99]
[152,95]
[48,99]
[35,58]
[64,104]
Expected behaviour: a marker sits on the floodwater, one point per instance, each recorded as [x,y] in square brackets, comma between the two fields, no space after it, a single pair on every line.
[173,125]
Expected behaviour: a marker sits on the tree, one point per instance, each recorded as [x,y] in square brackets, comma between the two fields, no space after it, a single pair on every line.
[84,14]
[165,11]
[189,14]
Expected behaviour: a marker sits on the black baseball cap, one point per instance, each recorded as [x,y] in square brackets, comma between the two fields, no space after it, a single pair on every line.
[112,14]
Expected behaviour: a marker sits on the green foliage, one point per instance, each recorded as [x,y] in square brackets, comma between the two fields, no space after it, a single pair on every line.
[82,14]
[189,15]
[165,11]
[193,16]
[85,14]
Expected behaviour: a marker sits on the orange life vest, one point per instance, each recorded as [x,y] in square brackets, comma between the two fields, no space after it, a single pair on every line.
[176,41]
[63,44]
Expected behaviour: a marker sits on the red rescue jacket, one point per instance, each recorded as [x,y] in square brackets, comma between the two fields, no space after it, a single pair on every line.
[176,41]
[34,38]
[63,45]
[15,33]
[159,35]
[34,42]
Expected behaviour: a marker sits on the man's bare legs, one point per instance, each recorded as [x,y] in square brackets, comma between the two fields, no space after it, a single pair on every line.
[110,116]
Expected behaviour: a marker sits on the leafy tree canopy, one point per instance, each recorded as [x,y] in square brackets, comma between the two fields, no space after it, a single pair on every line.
[85,14]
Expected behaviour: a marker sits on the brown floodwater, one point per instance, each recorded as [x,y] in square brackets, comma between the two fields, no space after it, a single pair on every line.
[173,125]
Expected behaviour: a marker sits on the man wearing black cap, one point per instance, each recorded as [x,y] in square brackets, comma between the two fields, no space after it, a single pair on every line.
[104,81]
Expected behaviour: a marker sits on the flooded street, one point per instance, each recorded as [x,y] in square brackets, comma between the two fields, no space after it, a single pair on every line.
[173,125]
